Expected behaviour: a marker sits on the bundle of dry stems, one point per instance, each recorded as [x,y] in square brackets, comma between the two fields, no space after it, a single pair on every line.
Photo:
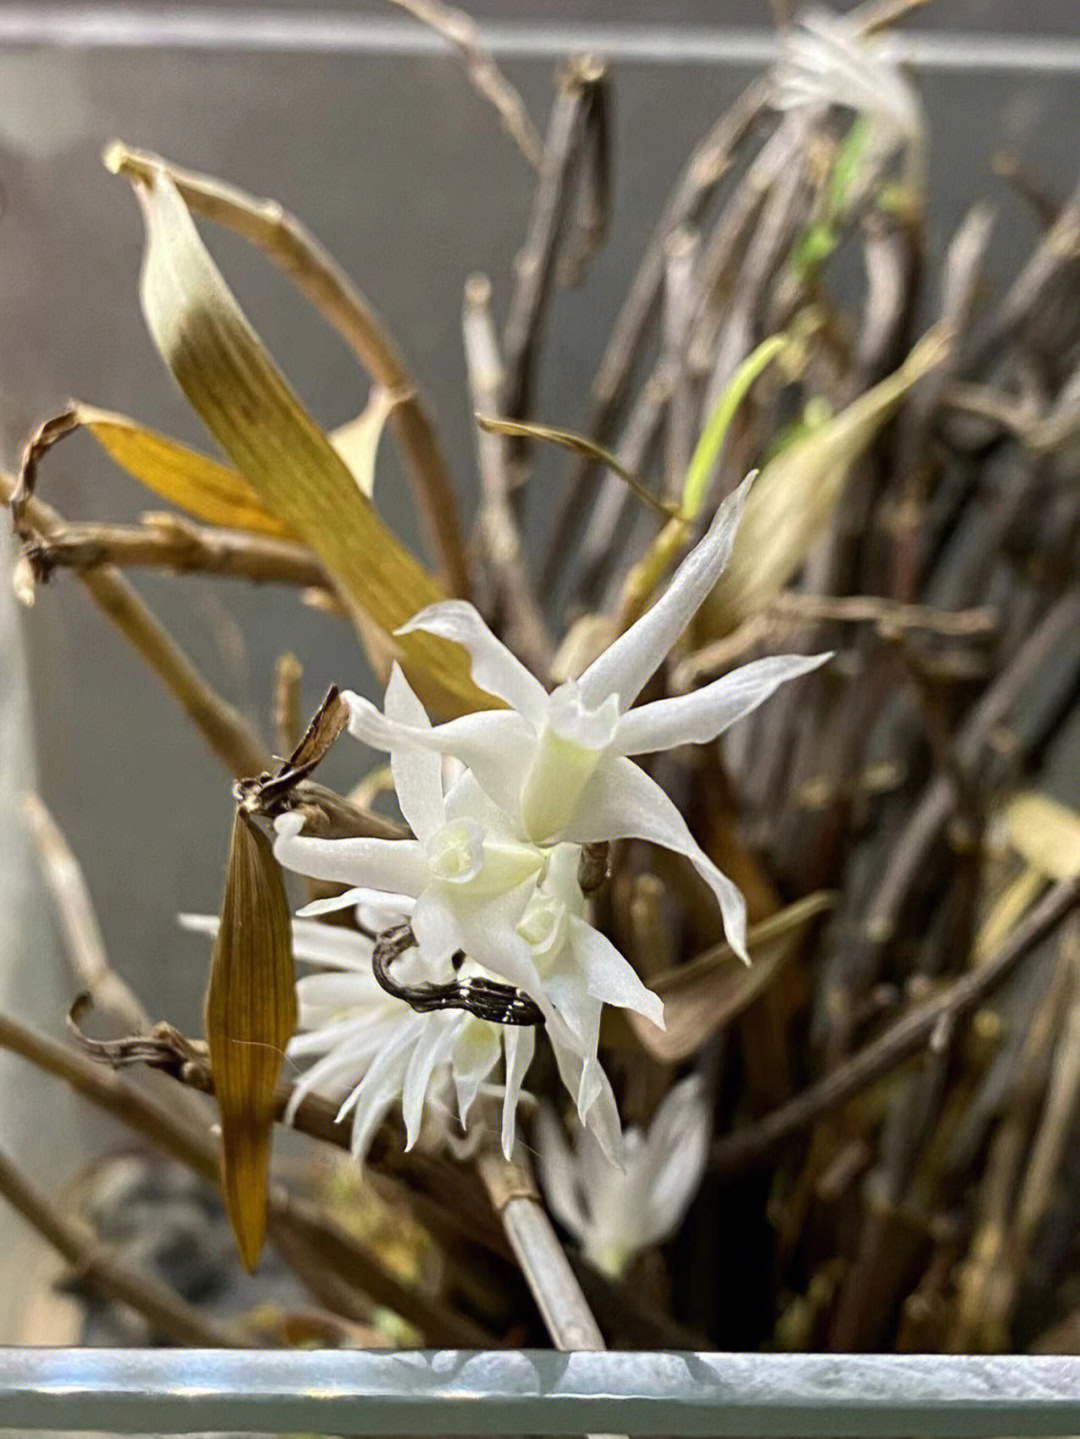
[895,1081]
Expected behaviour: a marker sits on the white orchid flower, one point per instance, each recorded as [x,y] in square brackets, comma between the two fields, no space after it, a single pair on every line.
[467,877]
[468,884]
[558,765]
[375,1050]
[613,1213]
[826,61]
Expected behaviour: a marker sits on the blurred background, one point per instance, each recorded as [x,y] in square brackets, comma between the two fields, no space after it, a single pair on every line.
[362,123]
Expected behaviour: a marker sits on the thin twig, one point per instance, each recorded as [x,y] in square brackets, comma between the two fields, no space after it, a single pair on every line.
[552,1283]
[317,275]
[287,719]
[224,729]
[753,1145]
[165,541]
[82,933]
[527,631]
[159,1124]
[100,1268]
[535,269]
[460,31]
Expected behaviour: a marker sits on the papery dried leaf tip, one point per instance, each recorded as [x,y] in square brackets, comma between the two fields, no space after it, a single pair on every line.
[492,873]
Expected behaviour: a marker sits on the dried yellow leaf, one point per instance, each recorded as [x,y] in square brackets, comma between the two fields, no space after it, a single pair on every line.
[258,420]
[796,494]
[202,486]
[250,1017]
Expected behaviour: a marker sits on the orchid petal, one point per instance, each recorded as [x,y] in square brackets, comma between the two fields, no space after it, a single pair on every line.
[388,864]
[487,929]
[417,772]
[381,1085]
[520,1043]
[400,905]
[475,1056]
[610,977]
[628,664]
[700,717]
[434,923]
[558,1175]
[586,1080]
[432,1049]
[494,668]
[336,991]
[497,745]
[678,1153]
[622,802]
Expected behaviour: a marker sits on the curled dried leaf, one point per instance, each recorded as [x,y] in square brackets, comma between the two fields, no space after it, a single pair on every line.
[250,1017]
[202,486]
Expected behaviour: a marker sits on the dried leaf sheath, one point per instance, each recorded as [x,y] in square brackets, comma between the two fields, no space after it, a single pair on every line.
[250,1017]
[247,404]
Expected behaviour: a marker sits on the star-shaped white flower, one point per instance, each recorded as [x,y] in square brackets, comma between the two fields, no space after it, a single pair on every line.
[469,884]
[558,765]
[616,1213]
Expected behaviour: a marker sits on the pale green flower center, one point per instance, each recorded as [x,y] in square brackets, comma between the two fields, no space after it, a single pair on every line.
[463,855]
[571,745]
[542,923]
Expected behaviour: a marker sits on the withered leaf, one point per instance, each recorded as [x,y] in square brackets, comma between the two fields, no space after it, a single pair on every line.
[240,394]
[797,492]
[702,996]
[250,1017]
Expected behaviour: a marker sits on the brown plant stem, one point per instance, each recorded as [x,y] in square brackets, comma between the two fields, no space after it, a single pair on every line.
[459,30]
[102,1270]
[552,1283]
[578,93]
[158,1124]
[317,275]
[906,1037]
[527,631]
[172,543]
[224,729]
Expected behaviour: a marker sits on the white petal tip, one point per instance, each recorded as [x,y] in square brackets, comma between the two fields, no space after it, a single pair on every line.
[288,826]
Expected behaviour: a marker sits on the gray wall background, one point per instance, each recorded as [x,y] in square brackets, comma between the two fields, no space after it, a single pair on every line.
[372,135]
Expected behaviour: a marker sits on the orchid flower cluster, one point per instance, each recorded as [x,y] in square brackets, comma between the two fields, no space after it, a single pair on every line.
[501,803]
[827,60]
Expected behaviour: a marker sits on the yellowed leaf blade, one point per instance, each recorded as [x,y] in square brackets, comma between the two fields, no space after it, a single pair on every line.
[196,483]
[709,992]
[1008,909]
[1045,833]
[796,493]
[247,404]
[250,1017]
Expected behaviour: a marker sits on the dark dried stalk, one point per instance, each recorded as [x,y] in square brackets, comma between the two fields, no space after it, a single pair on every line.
[753,1145]
[526,629]
[578,86]
[171,543]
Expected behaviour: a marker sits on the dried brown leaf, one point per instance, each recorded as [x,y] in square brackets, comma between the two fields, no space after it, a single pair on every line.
[250,1017]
